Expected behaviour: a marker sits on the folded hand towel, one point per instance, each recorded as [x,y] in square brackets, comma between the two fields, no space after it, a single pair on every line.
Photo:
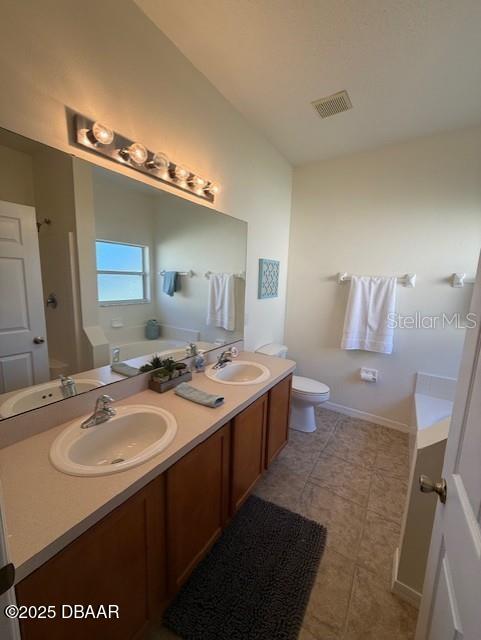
[370,307]
[124,369]
[171,283]
[189,392]
[221,302]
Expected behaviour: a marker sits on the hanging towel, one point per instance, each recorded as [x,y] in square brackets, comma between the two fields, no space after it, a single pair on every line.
[171,283]
[371,305]
[221,301]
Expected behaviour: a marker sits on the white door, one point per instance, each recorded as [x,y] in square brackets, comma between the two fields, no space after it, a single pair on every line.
[451,603]
[23,346]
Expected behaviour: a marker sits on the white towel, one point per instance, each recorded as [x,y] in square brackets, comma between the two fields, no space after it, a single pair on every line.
[371,305]
[221,302]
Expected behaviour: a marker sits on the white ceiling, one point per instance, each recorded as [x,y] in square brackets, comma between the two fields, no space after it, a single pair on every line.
[411,67]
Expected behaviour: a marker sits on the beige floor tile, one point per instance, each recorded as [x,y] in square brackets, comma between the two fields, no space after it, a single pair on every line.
[357,450]
[387,496]
[393,460]
[297,458]
[329,600]
[282,486]
[326,420]
[392,437]
[343,478]
[379,540]
[376,614]
[343,519]
[309,442]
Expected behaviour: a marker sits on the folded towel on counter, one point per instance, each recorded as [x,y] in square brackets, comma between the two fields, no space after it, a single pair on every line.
[124,369]
[370,308]
[221,302]
[189,392]
[171,283]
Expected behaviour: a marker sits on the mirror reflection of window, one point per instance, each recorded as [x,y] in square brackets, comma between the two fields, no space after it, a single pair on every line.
[122,272]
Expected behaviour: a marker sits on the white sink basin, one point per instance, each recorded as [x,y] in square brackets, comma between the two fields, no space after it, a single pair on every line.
[138,432]
[239,372]
[42,394]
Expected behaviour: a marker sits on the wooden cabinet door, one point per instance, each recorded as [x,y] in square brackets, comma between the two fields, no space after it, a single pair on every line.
[278,418]
[197,504]
[248,450]
[119,561]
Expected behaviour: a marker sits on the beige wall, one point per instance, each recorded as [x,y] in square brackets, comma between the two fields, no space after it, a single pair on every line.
[54,199]
[16,177]
[411,207]
[191,237]
[71,54]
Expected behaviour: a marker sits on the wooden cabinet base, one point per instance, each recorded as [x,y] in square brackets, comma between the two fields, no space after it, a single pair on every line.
[247,450]
[197,504]
[119,561]
[278,419]
[139,555]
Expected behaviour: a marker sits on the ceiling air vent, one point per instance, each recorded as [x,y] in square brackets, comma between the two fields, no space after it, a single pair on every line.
[329,106]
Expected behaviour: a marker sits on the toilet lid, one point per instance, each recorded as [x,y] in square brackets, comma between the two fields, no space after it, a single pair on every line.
[307,385]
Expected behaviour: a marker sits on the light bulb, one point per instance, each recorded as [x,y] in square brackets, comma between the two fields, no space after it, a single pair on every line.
[213,188]
[181,174]
[100,134]
[136,152]
[159,161]
[198,183]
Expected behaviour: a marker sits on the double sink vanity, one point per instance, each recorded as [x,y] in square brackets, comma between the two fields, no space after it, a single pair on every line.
[122,512]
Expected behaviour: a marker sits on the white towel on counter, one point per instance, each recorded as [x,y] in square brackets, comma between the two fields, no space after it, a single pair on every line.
[221,301]
[370,307]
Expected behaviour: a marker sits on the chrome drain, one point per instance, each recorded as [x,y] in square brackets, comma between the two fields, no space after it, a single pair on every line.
[117,460]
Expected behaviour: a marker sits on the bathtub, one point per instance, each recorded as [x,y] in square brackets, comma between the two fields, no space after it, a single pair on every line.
[130,350]
[431,417]
[140,352]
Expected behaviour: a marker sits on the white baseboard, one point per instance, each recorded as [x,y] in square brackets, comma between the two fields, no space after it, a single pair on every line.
[400,589]
[369,417]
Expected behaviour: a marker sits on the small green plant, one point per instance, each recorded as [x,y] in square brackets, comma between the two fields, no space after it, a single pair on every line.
[164,369]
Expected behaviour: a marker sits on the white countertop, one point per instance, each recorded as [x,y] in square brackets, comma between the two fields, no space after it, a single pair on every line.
[45,510]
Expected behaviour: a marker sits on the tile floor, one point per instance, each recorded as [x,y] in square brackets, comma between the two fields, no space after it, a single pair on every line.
[351,476]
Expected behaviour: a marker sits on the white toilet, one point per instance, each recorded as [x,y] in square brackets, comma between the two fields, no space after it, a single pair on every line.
[306,393]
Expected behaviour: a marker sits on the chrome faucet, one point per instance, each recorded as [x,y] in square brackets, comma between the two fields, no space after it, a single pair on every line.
[226,357]
[102,412]
[67,386]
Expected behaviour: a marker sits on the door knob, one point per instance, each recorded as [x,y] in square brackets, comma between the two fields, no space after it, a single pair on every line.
[39,340]
[426,485]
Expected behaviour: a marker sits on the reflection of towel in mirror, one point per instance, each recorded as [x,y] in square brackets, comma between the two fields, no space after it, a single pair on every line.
[171,283]
[221,302]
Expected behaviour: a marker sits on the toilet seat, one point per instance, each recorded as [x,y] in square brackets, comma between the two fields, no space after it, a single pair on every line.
[308,387]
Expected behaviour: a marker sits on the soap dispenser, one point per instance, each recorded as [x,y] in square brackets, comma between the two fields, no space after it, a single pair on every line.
[152,329]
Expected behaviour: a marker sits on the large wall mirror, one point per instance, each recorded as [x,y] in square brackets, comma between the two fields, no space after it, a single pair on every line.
[99,272]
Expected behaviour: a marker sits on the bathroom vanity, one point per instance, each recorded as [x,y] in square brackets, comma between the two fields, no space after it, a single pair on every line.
[177,505]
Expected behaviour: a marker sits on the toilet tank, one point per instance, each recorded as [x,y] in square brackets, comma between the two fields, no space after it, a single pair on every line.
[273,349]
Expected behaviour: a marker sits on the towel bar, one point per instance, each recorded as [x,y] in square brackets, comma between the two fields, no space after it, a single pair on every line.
[190,273]
[242,275]
[408,280]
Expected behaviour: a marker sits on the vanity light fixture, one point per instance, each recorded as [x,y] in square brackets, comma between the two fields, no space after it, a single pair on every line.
[212,188]
[159,161]
[100,134]
[100,138]
[181,174]
[135,152]
[198,183]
